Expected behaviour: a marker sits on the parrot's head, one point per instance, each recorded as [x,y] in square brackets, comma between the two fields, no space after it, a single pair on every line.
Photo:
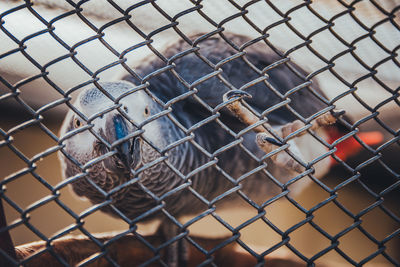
[105,137]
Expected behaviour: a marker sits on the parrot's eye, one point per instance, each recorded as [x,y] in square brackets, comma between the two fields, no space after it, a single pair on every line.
[77,123]
[126,109]
[146,111]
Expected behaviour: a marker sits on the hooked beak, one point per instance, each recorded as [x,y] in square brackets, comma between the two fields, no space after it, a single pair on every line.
[128,151]
[124,154]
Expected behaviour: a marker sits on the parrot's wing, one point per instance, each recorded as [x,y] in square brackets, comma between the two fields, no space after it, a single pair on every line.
[200,71]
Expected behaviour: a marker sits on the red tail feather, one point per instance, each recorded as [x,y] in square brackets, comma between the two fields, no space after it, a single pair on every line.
[351,146]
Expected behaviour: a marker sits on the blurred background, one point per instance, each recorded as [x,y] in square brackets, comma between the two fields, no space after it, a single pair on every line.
[31,139]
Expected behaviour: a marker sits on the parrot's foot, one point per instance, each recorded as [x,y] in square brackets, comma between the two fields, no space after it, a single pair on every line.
[177,252]
[281,159]
[265,140]
[235,106]
[328,118]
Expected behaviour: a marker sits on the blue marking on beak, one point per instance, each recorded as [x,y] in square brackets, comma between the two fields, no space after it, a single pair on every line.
[124,149]
[120,127]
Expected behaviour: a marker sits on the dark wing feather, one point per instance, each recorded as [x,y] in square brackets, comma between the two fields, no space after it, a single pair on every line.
[237,72]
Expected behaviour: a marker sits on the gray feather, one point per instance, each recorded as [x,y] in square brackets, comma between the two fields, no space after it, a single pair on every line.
[236,162]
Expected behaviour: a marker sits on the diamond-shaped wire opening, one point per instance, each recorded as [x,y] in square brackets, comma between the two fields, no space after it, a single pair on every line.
[352,69]
[346,244]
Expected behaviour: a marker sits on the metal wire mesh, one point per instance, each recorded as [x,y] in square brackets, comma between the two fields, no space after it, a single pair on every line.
[376,160]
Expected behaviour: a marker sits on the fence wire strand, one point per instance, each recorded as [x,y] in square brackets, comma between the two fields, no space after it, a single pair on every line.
[169,64]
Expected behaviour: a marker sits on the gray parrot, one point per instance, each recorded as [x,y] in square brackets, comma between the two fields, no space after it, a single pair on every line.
[161,141]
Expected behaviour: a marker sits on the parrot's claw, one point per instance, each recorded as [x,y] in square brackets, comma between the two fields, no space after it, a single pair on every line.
[272,141]
[234,104]
[265,140]
[327,119]
[281,159]
[338,113]
[236,93]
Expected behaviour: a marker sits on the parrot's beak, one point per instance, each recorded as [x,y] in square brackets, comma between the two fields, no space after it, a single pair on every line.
[128,151]
[124,153]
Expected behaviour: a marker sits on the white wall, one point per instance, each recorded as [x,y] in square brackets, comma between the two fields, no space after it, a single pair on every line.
[71,29]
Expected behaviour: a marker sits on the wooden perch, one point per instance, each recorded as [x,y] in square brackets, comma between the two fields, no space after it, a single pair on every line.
[6,244]
[129,251]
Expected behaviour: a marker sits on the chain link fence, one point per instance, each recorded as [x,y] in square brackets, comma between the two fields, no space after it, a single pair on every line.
[184,64]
